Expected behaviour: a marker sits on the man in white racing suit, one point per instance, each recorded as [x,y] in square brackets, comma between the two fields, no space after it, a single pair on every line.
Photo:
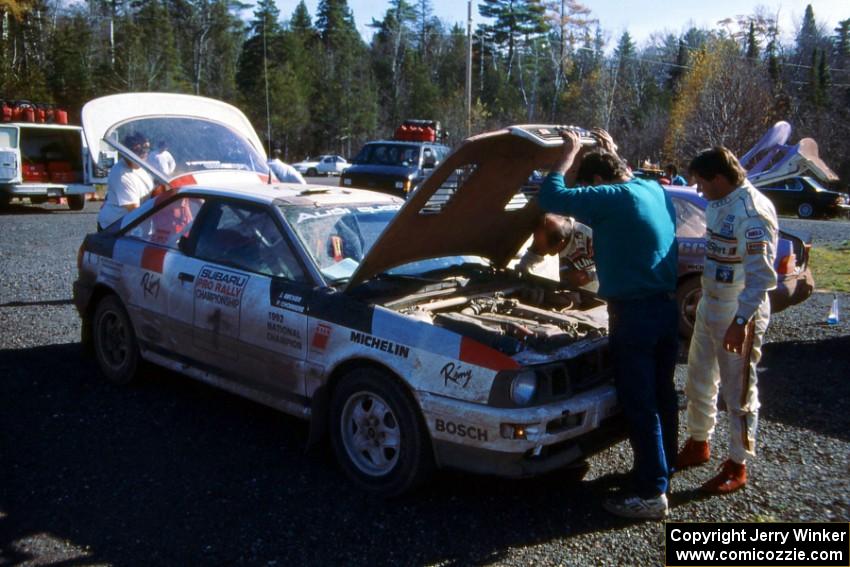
[572,242]
[732,316]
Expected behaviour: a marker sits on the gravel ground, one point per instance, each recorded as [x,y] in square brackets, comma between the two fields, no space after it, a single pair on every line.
[171,472]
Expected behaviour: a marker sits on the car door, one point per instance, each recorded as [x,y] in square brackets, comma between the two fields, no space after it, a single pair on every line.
[10,162]
[242,327]
[152,263]
[327,165]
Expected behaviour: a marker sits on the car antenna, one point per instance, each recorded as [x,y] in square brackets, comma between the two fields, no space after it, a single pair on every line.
[268,109]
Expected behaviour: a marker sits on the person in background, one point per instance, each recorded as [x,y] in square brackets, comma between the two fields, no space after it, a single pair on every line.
[671,172]
[162,158]
[732,315]
[634,239]
[283,171]
[572,241]
[127,185]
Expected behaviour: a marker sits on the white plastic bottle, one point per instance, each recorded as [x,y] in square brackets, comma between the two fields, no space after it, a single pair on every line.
[833,317]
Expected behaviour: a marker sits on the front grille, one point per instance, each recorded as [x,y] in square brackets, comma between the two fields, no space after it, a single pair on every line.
[567,378]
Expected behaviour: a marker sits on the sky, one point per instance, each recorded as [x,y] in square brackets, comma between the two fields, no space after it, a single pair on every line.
[640,18]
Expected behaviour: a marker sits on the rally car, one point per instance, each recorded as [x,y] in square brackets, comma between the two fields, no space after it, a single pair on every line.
[393,327]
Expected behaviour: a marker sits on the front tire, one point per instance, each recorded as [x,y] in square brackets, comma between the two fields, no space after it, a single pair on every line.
[688,294]
[312,172]
[115,345]
[805,210]
[76,202]
[377,434]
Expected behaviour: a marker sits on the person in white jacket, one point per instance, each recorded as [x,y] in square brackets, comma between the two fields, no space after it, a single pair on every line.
[732,316]
[283,171]
[572,242]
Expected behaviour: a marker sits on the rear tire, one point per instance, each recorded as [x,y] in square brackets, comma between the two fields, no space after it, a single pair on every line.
[805,210]
[76,202]
[688,294]
[115,345]
[378,435]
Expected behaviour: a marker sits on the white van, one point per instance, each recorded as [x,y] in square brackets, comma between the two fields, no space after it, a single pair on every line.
[43,161]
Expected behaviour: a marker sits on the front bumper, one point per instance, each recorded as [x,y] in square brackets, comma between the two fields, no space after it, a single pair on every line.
[470,437]
[35,190]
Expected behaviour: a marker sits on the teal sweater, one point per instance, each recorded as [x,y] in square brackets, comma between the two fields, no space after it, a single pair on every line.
[634,233]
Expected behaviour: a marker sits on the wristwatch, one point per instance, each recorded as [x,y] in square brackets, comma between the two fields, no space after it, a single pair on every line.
[740,320]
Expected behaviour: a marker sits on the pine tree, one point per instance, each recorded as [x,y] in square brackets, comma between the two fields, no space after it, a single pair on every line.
[752,43]
[841,44]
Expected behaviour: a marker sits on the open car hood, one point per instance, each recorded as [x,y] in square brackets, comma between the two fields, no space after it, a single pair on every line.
[469,205]
[101,114]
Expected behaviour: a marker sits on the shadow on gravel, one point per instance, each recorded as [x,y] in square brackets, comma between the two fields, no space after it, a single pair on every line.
[48,303]
[807,385]
[172,472]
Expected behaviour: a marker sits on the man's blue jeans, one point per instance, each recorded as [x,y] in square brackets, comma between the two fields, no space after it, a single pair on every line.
[644,346]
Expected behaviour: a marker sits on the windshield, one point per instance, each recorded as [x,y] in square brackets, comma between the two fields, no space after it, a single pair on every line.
[400,155]
[338,238]
[180,145]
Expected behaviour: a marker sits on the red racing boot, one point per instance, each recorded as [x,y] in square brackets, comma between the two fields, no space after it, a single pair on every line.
[732,476]
[692,454]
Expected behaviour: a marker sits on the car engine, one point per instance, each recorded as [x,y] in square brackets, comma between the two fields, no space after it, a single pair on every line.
[515,319]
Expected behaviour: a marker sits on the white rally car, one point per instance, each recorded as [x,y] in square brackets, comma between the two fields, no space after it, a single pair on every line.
[393,327]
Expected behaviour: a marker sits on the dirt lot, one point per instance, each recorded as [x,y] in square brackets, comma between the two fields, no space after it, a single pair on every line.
[171,472]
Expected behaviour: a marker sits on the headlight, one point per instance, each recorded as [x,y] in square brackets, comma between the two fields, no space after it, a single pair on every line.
[399,184]
[523,388]
[346,181]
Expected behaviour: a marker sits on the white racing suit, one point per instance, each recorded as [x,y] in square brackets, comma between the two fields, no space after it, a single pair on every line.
[741,237]
[579,252]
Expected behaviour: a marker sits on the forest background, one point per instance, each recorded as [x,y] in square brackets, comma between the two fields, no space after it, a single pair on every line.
[533,62]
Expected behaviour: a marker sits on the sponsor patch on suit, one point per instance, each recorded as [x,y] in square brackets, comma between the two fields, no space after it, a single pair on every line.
[755,233]
[724,274]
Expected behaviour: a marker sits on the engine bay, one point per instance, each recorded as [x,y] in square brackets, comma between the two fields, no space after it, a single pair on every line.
[514,318]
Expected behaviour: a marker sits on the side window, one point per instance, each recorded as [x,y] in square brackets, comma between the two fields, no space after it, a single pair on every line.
[247,238]
[794,185]
[166,225]
[690,219]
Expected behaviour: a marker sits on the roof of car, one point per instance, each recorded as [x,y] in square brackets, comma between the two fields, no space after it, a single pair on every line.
[295,194]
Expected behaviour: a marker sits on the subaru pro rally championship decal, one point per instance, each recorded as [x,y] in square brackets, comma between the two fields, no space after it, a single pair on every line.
[218,298]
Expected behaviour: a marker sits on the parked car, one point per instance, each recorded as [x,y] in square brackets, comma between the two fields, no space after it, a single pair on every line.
[392,326]
[806,197]
[322,165]
[395,167]
[794,278]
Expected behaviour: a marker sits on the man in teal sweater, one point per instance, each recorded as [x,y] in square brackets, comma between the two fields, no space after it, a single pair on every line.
[634,234]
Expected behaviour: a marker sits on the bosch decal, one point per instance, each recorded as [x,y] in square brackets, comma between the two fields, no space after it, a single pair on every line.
[456,375]
[755,234]
[320,337]
[277,331]
[150,285]
[460,430]
[220,287]
[382,345]
[724,274]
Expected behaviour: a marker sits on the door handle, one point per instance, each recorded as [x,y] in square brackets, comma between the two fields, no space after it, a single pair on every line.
[184,277]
